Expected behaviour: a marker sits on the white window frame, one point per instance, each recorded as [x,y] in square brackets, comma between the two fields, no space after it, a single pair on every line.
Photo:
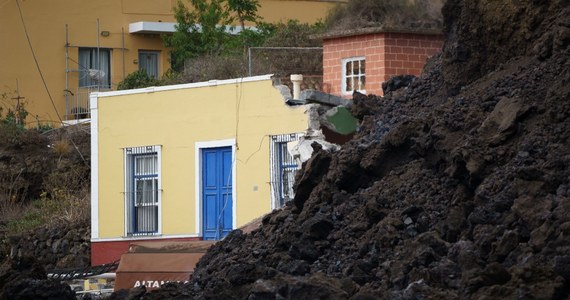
[131,177]
[276,162]
[352,76]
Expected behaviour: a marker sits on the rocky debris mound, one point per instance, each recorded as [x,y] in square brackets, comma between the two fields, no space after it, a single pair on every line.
[38,290]
[456,187]
[29,159]
[29,257]
[51,166]
[44,179]
[25,278]
[21,176]
[64,246]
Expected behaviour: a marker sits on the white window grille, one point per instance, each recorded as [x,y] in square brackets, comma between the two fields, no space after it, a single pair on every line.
[354,75]
[283,169]
[142,190]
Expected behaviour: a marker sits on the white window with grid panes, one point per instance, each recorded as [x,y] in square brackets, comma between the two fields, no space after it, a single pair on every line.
[354,75]
[142,190]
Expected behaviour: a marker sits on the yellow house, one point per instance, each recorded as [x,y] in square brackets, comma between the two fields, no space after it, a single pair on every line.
[54,53]
[188,162]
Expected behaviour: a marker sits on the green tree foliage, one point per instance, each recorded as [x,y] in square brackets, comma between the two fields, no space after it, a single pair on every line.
[244,10]
[137,79]
[202,28]
[202,49]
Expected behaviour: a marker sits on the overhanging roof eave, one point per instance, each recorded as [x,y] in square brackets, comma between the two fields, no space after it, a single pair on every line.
[144,27]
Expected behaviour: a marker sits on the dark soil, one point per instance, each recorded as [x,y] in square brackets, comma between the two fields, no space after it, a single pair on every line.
[34,166]
[456,187]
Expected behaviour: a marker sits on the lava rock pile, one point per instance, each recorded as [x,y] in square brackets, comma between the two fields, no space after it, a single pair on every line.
[456,187]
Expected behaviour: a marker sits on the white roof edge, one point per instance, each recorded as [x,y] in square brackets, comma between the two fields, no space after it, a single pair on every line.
[169,27]
[153,89]
[152,27]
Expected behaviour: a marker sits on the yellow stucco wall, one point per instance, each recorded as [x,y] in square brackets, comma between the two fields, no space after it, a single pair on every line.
[46,22]
[46,25]
[177,119]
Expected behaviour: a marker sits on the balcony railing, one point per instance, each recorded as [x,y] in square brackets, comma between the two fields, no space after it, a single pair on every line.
[77,102]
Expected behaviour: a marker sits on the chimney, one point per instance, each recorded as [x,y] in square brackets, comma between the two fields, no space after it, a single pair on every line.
[296,79]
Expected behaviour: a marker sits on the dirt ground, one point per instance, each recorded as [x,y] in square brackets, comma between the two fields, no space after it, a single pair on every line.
[456,187]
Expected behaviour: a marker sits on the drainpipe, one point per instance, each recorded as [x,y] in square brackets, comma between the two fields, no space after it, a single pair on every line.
[296,79]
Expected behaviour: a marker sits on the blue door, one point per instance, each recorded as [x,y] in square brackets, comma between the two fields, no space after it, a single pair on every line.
[217,197]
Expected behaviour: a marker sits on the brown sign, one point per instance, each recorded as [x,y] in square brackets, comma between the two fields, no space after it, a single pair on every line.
[154,269]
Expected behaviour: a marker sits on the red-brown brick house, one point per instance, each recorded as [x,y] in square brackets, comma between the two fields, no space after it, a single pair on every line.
[362,59]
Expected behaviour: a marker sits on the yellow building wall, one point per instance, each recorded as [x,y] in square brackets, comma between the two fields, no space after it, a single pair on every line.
[46,22]
[176,119]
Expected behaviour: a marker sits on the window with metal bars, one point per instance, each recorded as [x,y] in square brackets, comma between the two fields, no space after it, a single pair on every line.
[283,169]
[354,75]
[142,190]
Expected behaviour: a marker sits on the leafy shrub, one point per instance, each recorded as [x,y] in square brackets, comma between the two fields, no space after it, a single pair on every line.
[43,127]
[137,79]
[22,217]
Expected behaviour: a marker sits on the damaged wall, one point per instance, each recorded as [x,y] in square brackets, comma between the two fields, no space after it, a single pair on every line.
[245,112]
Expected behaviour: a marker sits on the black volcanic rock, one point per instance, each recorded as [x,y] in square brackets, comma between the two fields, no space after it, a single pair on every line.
[455,187]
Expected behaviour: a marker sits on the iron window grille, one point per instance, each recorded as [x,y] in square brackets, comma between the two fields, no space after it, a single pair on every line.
[283,169]
[142,190]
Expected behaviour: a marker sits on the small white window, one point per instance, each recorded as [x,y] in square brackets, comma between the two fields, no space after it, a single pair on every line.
[142,190]
[354,75]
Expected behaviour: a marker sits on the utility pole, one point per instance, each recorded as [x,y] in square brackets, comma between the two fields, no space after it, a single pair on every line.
[18,107]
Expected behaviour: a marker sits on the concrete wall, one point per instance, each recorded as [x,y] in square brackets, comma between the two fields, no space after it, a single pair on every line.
[46,22]
[178,118]
[387,54]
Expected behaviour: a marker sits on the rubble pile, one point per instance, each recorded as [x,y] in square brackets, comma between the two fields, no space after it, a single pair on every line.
[456,186]
[25,278]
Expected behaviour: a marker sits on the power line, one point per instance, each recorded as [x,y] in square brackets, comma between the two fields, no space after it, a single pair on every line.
[36,61]
[42,77]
